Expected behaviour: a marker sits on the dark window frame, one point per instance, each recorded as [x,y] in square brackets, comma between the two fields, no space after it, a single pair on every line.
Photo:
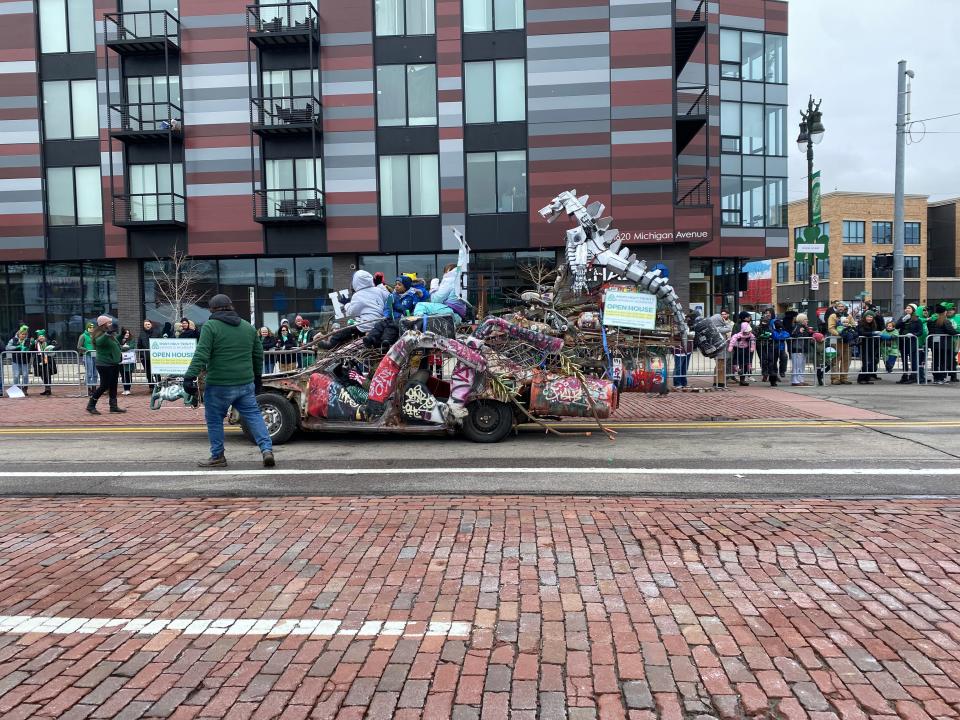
[73,187]
[906,238]
[496,181]
[409,213]
[851,259]
[376,34]
[406,95]
[854,238]
[885,225]
[783,272]
[493,62]
[493,17]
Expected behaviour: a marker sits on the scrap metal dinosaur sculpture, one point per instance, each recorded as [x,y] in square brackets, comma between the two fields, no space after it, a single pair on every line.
[593,242]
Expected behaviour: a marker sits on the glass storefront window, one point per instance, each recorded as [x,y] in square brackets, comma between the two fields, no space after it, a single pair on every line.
[775,59]
[754,213]
[425,266]
[751,61]
[62,283]
[387,264]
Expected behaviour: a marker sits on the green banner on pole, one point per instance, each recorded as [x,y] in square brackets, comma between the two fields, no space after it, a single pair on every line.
[815,197]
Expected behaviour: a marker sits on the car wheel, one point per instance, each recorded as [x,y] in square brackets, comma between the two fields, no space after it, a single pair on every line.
[488,421]
[279,415]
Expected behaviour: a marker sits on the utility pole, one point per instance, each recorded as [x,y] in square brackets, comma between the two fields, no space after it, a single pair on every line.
[902,90]
[811,133]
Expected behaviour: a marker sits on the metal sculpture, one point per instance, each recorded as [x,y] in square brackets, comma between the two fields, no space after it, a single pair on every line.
[593,242]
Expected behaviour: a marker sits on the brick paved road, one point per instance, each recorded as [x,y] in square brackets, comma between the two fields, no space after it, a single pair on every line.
[568,608]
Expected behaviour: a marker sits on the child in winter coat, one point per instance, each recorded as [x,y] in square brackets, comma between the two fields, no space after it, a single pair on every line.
[743,344]
[890,349]
[777,347]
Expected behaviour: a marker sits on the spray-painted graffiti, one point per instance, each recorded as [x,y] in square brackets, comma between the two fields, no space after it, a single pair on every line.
[538,340]
[384,379]
[567,396]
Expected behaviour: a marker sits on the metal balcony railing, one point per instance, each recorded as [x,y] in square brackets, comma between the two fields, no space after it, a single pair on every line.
[691,11]
[692,192]
[149,209]
[288,205]
[286,113]
[282,17]
[692,100]
[148,117]
[145,30]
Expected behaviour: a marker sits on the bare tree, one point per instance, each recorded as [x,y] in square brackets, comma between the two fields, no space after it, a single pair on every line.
[175,280]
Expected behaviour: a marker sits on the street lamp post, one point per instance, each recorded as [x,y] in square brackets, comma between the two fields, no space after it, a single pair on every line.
[811,133]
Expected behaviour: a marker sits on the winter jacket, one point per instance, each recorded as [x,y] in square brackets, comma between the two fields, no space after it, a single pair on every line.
[725,327]
[400,305]
[127,346]
[890,343]
[190,333]
[910,325]
[800,338]
[85,343]
[778,335]
[285,343]
[107,349]
[868,329]
[269,342]
[43,358]
[837,328]
[366,303]
[21,349]
[229,349]
[743,341]
[143,339]
[934,328]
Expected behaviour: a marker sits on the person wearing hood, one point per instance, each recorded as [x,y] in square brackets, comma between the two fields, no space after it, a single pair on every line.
[399,304]
[21,345]
[743,345]
[869,331]
[232,354]
[365,307]
[109,357]
[777,347]
[909,328]
[942,333]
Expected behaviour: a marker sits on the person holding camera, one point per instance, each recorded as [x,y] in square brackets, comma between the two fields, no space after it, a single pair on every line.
[108,357]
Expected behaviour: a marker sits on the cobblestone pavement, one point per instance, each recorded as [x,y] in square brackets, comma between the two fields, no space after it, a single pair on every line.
[503,607]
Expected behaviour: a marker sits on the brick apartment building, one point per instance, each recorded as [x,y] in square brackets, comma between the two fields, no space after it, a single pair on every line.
[284,144]
[860,227]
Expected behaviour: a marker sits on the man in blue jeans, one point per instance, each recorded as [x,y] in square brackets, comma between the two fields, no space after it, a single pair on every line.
[230,351]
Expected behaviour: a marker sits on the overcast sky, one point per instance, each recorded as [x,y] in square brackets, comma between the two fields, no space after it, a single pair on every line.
[847,52]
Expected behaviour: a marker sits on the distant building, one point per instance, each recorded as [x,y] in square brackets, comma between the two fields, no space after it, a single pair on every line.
[860,228]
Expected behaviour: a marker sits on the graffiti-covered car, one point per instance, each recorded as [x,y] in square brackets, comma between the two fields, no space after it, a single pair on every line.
[428,383]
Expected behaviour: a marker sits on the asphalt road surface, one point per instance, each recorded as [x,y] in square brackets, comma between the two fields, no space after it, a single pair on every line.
[751,458]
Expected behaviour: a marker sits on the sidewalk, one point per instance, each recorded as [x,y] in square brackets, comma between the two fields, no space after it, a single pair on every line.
[737,403]
[486,607]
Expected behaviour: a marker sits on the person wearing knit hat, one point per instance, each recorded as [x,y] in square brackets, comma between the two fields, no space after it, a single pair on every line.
[89,355]
[44,364]
[21,345]
[108,358]
[950,310]
[912,332]
[942,334]
[231,353]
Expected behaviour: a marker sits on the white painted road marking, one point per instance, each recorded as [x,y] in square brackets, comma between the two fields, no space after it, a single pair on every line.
[26,624]
[280,472]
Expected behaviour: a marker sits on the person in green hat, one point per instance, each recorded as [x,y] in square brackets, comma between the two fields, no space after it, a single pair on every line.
[44,363]
[950,310]
[86,349]
[942,333]
[21,345]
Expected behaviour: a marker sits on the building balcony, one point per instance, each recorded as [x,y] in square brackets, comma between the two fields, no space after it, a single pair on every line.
[691,192]
[146,122]
[283,23]
[291,205]
[149,210]
[690,27]
[141,32]
[286,115]
[693,113]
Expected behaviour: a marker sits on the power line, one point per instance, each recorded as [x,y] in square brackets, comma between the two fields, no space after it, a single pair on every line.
[937,117]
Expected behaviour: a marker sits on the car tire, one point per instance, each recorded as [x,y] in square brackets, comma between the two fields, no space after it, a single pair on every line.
[280,416]
[487,421]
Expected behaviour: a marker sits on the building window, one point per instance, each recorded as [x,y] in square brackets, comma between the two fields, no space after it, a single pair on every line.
[730,205]
[293,185]
[776,126]
[853,267]
[776,190]
[487,15]
[497,182]
[882,233]
[156,192]
[283,85]
[73,196]
[66,26]
[911,233]
[409,185]
[775,59]
[783,273]
[730,127]
[823,267]
[801,271]
[495,91]
[752,131]
[406,95]
[405,17]
[751,59]
[824,228]
[70,110]
[149,98]
[754,213]
[911,266]
[853,232]
[730,54]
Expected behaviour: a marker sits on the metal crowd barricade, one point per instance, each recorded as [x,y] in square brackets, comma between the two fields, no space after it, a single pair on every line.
[942,354]
[278,362]
[48,369]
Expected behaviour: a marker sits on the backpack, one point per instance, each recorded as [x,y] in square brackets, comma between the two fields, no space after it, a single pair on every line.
[707,338]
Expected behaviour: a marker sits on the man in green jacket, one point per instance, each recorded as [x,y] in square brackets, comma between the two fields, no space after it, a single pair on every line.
[230,351]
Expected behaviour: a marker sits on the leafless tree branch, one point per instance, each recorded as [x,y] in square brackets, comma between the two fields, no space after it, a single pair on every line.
[175,281]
